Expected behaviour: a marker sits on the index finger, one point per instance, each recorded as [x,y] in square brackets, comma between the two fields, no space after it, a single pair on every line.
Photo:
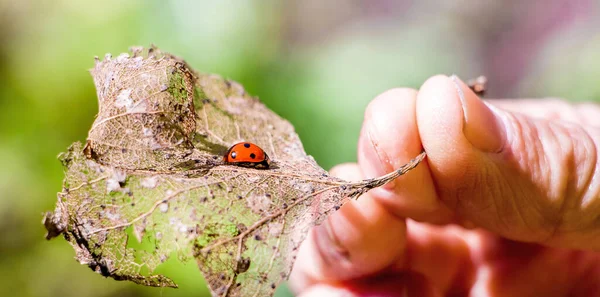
[389,138]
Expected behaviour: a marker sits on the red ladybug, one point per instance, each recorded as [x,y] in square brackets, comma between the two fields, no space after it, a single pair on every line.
[247,154]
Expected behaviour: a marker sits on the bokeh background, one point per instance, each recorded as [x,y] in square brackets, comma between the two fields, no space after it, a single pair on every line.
[316,63]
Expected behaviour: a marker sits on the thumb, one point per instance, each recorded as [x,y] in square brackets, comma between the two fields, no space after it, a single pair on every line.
[524,178]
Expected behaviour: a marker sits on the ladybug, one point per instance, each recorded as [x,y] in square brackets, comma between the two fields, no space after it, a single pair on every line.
[247,154]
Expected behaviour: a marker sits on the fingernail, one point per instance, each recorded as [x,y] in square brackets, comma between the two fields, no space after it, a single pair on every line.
[375,159]
[329,246]
[482,126]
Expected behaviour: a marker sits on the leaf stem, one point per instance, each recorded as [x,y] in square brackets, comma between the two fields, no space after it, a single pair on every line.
[361,187]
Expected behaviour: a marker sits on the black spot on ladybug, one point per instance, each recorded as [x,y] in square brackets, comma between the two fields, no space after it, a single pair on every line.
[233,155]
[246,145]
[257,237]
[252,155]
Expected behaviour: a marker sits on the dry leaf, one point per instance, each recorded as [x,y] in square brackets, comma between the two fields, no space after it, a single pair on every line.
[152,171]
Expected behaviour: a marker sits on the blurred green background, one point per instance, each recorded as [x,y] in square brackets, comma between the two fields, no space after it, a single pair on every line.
[316,63]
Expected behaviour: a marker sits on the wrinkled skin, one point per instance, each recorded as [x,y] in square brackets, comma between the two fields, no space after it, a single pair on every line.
[507,202]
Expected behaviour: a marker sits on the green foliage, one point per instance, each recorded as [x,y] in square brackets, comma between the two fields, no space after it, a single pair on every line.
[47,99]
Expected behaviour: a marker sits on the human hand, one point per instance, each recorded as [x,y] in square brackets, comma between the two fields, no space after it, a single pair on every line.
[506,203]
